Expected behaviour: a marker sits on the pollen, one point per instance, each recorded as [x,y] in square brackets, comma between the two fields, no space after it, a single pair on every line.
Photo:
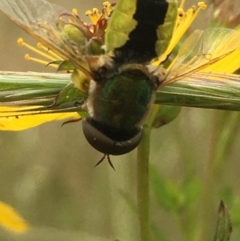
[95,12]
[95,15]
[202,5]
[75,11]
[184,21]
[107,7]
[92,16]
[46,53]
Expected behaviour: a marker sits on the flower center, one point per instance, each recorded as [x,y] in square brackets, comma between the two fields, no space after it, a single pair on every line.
[76,35]
[71,32]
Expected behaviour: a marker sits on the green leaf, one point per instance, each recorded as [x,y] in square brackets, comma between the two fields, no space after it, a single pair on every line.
[69,92]
[224,225]
[120,24]
[167,193]
[50,93]
[204,90]
[191,189]
[63,65]
[165,115]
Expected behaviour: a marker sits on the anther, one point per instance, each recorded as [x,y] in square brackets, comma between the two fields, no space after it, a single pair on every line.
[107,6]
[74,11]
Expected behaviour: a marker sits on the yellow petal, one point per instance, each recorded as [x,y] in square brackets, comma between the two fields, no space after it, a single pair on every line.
[13,121]
[228,64]
[210,50]
[11,220]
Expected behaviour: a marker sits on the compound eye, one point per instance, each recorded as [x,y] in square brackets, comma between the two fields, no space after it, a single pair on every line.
[111,143]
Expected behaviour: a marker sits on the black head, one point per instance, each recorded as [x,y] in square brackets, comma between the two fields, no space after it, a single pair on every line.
[110,141]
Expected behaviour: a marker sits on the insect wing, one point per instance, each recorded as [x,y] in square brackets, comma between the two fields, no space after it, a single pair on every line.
[43,20]
[203,51]
[221,90]
[30,14]
[213,80]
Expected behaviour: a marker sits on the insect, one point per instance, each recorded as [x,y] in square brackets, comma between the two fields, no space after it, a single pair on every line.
[113,77]
[123,88]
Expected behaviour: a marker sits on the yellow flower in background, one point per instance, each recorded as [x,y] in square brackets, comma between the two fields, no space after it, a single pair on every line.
[11,220]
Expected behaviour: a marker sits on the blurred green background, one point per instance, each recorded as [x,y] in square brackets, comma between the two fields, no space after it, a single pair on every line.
[47,173]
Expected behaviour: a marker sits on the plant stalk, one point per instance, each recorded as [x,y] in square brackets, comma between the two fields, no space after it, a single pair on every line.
[143,193]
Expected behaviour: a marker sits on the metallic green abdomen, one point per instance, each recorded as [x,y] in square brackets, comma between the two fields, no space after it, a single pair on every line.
[124,99]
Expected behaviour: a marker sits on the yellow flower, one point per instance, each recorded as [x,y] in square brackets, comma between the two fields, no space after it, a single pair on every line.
[184,21]
[61,43]
[18,122]
[71,44]
[11,220]
[213,50]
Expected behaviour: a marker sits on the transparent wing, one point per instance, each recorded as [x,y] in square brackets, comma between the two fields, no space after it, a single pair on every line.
[42,20]
[219,91]
[202,51]
[220,83]
[30,15]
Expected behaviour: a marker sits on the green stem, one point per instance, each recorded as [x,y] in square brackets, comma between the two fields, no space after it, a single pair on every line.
[226,137]
[208,188]
[222,138]
[143,195]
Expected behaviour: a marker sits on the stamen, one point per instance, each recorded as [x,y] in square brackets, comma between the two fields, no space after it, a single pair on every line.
[182,4]
[92,17]
[75,11]
[47,56]
[64,41]
[202,5]
[50,52]
[107,6]
[40,61]
[187,20]
[184,20]
[95,12]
